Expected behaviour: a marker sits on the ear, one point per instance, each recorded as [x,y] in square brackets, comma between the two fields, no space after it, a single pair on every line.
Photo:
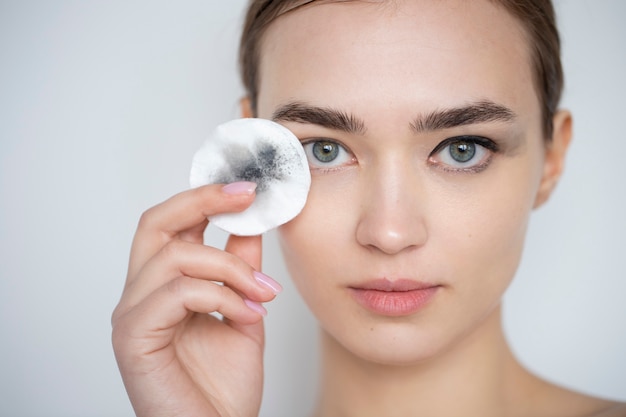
[554,156]
[245,106]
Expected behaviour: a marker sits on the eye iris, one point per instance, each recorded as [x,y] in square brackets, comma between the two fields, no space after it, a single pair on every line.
[462,151]
[325,151]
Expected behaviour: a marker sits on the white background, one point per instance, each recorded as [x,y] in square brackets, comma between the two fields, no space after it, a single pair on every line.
[102,105]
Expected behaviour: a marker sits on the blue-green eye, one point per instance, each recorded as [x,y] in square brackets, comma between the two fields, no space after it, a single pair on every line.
[326,154]
[464,153]
[325,151]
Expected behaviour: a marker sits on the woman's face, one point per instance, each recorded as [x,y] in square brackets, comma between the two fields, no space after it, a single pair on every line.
[423,131]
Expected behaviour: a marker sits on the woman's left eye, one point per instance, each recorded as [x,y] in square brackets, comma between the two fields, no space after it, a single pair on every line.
[463,153]
[324,153]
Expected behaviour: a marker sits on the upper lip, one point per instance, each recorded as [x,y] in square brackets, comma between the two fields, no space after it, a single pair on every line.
[399,285]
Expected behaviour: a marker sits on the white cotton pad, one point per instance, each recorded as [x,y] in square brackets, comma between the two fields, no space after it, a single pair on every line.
[263,152]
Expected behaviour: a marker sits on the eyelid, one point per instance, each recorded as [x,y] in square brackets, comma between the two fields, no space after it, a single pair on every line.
[321,167]
[310,139]
[479,140]
[490,146]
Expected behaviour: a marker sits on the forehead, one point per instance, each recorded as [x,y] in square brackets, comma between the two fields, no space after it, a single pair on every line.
[351,52]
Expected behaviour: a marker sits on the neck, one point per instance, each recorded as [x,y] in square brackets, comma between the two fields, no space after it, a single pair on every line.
[477,377]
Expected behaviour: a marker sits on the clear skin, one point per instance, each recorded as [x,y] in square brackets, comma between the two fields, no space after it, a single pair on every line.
[394,205]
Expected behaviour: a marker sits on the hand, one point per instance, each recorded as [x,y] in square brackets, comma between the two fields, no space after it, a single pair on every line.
[175,358]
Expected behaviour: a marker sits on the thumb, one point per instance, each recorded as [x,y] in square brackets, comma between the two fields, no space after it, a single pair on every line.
[248,248]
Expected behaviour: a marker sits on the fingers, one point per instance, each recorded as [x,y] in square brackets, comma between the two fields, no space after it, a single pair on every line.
[179,258]
[173,275]
[185,215]
[159,314]
[191,207]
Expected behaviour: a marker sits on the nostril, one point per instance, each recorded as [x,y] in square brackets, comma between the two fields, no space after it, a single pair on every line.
[393,236]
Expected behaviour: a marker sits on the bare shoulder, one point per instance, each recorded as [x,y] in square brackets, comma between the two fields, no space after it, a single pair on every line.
[554,401]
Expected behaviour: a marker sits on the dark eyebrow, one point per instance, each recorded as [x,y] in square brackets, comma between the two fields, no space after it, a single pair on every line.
[479,112]
[330,118]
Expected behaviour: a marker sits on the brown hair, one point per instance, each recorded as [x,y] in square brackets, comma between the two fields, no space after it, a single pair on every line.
[536,16]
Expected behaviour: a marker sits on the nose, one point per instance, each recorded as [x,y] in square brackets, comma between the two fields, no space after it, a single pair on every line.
[392,212]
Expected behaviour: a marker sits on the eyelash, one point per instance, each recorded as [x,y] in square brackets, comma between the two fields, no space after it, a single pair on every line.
[343,153]
[481,145]
[485,145]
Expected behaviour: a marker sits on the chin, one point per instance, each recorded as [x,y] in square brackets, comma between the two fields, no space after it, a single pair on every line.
[392,344]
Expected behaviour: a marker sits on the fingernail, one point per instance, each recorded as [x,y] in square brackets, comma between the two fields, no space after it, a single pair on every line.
[268,282]
[240,187]
[256,307]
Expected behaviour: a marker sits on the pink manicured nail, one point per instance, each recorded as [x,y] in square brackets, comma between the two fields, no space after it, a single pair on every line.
[241,187]
[257,307]
[268,282]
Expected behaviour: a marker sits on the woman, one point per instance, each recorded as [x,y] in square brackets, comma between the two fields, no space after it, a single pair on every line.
[432,131]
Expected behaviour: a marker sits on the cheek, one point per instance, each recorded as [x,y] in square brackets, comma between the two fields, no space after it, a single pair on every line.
[317,240]
[482,231]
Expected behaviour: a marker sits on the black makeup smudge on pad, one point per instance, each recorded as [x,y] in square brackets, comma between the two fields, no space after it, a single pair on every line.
[262,166]
[261,151]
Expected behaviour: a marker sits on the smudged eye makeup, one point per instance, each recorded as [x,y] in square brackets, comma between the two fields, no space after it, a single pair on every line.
[463,154]
[326,154]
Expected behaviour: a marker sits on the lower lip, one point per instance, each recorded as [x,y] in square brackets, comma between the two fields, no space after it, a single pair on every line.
[394,303]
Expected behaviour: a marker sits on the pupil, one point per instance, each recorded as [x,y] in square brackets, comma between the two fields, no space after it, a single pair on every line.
[325,151]
[462,151]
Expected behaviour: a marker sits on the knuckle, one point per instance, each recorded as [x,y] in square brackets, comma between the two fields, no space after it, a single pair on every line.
[231,262]
[223,294]
[118,337]
[115,316]
[173,249]
[146,218]
[235,263]
[178,285]
[120,329]
[123,307]
[205,196]
[204,192]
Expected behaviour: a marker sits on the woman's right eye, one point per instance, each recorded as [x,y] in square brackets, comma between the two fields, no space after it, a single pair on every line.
[327,154]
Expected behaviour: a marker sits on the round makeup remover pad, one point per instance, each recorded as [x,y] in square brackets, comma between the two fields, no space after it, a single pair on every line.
[263,152]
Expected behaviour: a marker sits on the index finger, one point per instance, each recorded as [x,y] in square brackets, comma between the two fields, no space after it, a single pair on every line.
[183,212]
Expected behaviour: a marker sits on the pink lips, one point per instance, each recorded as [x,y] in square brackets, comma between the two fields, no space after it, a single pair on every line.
[394,298]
